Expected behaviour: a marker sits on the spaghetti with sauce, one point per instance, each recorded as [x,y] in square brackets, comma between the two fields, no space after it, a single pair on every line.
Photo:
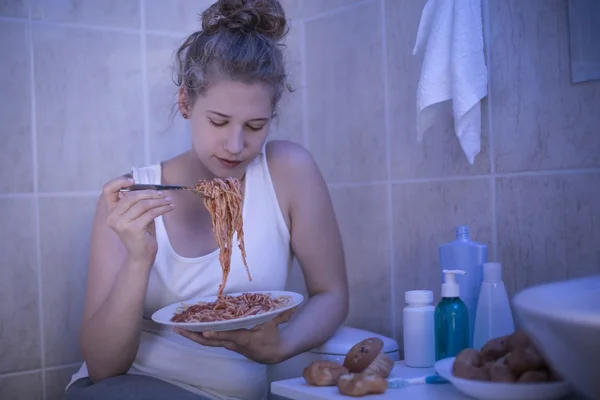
[223,198]
[230,307]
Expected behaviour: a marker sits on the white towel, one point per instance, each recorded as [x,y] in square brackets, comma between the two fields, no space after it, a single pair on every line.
[454,74]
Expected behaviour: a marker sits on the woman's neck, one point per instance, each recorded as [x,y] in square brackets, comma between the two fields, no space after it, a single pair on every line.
[185,170]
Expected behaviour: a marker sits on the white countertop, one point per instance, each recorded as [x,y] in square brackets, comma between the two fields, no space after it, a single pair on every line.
[298,389]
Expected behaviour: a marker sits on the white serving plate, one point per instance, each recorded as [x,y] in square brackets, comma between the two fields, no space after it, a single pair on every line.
[563,321]
[501,391]
[164,315]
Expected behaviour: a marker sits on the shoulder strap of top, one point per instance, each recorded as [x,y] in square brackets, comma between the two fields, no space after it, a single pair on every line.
[150,174]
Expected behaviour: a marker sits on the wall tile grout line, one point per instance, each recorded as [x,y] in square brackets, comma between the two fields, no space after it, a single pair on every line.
[17,195]
[548,172]
[64,366]
[494,219]
[15,20]
[84,193]
[39,370]
[36,202]
[71,194]
[485,18]
[347,184]
[440,179]
[304,83]
[336,11]
[388,140]
[465,177]
[144,81]
[130,31]
[48,195]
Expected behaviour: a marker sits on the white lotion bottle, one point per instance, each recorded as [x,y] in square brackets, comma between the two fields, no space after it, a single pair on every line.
[494,315]
[419,329]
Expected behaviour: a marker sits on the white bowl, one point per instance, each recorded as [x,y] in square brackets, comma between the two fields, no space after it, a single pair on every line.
[501,391]
[563,320]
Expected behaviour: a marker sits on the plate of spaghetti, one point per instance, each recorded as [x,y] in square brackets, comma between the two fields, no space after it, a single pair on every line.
[230,311]
[223,198]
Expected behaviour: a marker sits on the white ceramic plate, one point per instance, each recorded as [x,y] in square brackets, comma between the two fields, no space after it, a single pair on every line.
[164,315]
[501,391]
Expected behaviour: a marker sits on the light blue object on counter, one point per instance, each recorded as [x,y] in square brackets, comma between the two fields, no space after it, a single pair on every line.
[469,256]
[399,383]
[494,315]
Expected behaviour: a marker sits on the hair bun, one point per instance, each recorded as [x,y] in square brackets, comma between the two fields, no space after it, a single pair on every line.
[266,17]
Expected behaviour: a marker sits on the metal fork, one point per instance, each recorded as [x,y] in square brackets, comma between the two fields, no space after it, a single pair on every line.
[154,187]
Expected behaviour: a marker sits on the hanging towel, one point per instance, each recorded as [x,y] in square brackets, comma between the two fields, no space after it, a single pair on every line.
[454,74]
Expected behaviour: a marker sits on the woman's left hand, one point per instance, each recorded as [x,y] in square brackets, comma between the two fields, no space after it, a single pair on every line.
[263,343]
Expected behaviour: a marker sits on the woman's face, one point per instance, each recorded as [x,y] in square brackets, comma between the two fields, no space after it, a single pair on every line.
[229,125]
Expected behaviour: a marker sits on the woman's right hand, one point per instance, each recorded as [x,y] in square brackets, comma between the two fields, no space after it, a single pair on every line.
[131,215]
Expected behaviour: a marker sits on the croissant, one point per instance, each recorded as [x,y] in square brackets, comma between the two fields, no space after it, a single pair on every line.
[357,385]
[323,373]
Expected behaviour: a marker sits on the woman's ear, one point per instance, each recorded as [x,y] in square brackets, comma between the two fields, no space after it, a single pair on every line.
[184,103]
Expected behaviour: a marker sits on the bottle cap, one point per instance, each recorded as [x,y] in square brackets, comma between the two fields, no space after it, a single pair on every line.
[450,288]
[418,297]
[462,232]
[492,272]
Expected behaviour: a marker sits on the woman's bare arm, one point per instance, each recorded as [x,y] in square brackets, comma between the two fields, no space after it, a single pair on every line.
[116,289]
[316,242]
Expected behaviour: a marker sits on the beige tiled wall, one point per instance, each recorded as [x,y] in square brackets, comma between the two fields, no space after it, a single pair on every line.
[86,93]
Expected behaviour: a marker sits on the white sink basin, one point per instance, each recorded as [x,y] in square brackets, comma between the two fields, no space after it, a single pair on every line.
[563,320]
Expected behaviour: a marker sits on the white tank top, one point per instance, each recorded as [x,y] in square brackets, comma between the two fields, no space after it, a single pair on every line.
[213,372]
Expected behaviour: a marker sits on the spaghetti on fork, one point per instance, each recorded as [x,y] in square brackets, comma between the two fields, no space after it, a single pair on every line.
[224,199]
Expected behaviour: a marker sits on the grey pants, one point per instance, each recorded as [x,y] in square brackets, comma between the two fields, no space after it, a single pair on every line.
[128,387]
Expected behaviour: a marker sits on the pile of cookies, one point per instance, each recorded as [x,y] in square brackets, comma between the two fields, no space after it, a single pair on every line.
[364,371]
[510,359]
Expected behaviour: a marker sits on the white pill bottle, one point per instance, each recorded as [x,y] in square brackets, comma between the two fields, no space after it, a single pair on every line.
[419,329]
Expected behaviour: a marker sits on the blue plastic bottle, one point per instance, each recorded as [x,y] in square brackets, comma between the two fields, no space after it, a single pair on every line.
[469,256]
[451,319]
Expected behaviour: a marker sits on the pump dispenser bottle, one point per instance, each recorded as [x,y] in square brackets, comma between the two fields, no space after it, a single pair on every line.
[467,255]
[451,319]
[494,316]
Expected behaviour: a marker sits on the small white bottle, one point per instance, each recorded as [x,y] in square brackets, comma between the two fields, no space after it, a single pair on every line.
[419,329]
[494,315]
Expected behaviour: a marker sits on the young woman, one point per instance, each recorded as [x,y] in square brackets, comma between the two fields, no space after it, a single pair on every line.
[151,249]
